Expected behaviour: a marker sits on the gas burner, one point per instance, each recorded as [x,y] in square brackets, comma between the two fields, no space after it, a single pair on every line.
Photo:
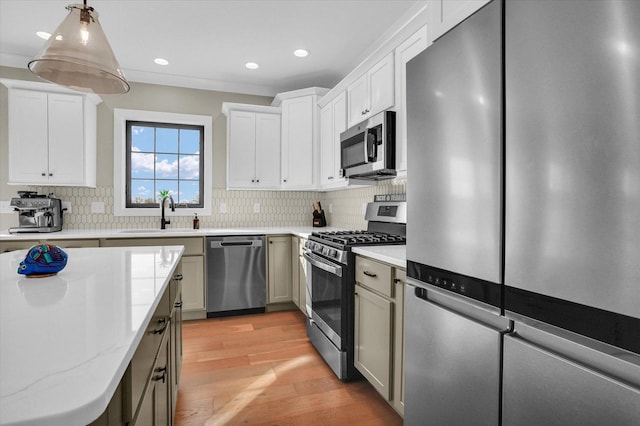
[358,238]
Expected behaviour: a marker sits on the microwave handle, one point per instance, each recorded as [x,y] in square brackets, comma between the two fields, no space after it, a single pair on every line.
[371,147]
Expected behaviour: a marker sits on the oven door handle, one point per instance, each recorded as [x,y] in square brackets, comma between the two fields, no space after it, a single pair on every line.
[318,262]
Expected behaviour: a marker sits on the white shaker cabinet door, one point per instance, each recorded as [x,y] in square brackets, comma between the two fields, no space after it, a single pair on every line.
[66,139]
[358,100]
[297,143]
[339,126]
[268,150]
[28,134]
[381,86]
[327,145]
[242,137]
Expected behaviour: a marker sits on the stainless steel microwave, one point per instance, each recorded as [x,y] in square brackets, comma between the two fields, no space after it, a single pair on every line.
[368,150]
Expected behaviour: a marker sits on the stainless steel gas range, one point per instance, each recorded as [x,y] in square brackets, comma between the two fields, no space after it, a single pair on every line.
[331,281]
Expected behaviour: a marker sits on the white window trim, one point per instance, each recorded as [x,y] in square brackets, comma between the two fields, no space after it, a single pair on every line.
[120,118]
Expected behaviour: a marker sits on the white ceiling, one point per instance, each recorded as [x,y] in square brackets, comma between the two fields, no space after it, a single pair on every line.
[207,42]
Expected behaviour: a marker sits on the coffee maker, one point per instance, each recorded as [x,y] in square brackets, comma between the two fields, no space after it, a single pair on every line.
[37,213]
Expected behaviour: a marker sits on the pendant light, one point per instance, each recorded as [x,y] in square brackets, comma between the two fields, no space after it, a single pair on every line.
[78,55]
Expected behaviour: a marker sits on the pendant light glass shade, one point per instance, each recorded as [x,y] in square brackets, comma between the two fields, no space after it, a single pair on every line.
[78,56]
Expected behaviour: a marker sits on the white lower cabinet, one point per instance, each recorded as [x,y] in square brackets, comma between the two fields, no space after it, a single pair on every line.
[379,328]
[279,269]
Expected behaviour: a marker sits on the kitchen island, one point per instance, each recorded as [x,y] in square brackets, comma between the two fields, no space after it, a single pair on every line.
[67,341]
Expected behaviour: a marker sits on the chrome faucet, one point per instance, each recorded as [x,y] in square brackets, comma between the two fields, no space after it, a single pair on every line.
[164,222]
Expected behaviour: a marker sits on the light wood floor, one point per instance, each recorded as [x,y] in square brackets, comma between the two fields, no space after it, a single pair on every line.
[262,370]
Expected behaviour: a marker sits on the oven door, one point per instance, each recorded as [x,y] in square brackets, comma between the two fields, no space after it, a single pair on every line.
[328,299]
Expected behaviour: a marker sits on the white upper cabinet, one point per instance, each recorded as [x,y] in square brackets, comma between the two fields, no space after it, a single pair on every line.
[300,148]
[371,93]
[253,146]
[446,14]
[297,143]
[268,150]
[333,121]
[410,48]
[52,135]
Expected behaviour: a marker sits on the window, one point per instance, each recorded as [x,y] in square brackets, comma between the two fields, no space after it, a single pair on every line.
[164,159]
[156,152]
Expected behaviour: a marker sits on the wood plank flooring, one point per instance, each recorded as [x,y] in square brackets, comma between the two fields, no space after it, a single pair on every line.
[263,370]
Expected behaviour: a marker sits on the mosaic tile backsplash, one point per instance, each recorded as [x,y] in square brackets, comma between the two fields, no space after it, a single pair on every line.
[348,205]
[277,208]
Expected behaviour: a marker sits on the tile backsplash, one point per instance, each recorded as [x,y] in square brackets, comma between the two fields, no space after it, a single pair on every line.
[348,204]
[277,208]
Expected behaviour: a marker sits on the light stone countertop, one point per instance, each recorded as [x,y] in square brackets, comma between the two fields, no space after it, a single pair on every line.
[68,339]
[393,255]
[301,231]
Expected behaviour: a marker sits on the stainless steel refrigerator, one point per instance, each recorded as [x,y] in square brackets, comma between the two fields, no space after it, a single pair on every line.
[572,224]
[523,192]
[453,299]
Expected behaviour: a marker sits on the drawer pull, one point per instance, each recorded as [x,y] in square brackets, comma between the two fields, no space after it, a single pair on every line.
[397,280]
[162,376]
[163,322]
[178,305]
[178,277]
[370,274]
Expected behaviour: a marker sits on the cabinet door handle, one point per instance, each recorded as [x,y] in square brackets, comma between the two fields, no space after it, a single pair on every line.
[50,174]
[284,180]
[370,274]
[253,180]
[178,305]
[178,277]
[330,177]
[397,280]
[44,174]
[258,180]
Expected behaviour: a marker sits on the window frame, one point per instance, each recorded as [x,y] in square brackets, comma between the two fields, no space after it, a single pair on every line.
[131,123]
[120,159]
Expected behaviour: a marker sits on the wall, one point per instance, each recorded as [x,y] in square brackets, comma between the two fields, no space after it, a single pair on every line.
[277,208]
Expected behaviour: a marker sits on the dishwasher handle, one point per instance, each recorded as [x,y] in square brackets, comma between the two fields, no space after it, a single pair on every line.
[245,243]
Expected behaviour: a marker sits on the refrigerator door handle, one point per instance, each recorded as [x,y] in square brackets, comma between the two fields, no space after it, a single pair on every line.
[470,309]
[609,360]
[447,298]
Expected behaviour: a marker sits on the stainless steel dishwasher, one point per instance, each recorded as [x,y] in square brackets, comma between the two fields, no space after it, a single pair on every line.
[235,275]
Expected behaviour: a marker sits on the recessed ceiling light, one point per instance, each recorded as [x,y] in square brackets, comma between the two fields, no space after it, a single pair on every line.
[43,35]
[161,61]
[252,65]
[301,53]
